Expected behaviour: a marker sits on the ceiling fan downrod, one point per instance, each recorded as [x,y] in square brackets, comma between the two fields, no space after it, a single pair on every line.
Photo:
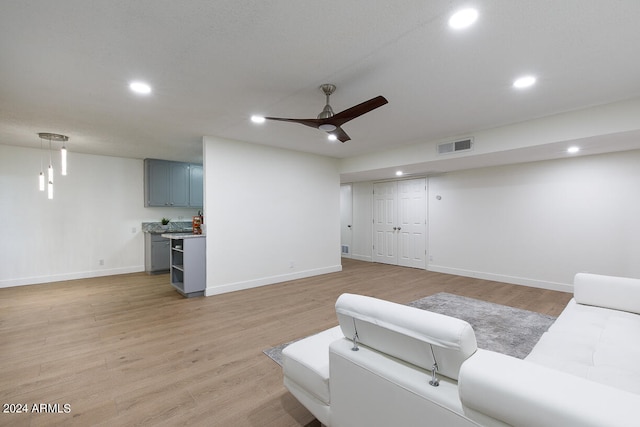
[327,111]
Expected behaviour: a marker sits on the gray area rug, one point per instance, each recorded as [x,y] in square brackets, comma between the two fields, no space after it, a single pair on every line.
[498,328]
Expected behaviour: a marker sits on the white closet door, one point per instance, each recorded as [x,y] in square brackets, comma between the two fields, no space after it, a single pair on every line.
[399,223]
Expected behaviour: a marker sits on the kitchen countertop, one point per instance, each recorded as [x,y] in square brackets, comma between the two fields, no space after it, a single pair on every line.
[172,227]
[182,235]
[185,231]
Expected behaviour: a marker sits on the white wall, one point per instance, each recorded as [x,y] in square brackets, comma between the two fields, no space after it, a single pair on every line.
[538,223]
[534,224]
[271,215]
[95,210]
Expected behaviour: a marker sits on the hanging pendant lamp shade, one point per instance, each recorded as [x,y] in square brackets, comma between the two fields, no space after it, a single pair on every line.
[63,160]
[41,176]
[50,176]
[50,190]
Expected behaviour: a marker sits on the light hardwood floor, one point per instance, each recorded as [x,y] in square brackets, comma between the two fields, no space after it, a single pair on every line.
[128,350]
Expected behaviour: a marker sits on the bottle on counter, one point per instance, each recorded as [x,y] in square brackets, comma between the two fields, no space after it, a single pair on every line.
[197,223]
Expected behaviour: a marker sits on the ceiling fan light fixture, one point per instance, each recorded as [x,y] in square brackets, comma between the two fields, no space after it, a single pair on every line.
[327,127]
[332,137]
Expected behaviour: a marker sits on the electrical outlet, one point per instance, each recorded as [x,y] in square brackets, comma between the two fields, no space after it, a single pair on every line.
[292,264]
[133,230]
[430,257]
[100,262]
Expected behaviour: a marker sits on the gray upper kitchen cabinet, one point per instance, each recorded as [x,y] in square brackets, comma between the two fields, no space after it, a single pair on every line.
[174,184]
[195,186]
[178,184]
[156,182]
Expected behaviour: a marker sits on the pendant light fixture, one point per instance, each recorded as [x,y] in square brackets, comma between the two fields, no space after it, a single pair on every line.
[52,137]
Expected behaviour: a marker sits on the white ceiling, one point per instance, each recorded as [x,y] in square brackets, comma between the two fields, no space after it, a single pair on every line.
[65,66]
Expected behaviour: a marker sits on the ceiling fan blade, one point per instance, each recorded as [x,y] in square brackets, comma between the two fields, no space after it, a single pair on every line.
[340,134]
[357,110]
[314,123]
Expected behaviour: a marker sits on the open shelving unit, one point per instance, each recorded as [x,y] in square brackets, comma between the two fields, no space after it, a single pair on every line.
[188,266]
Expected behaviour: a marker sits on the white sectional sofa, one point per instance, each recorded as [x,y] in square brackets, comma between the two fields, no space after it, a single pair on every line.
[585,371]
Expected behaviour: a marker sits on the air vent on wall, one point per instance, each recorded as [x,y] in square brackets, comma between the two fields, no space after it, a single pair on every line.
[454,147]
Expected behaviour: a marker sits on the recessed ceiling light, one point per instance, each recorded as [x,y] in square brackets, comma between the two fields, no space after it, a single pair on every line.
[140,87]
[257,119]
[399,173]
[463,18]
[524,82]
[572,150]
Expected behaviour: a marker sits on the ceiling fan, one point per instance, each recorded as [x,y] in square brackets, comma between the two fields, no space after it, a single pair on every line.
[330,122]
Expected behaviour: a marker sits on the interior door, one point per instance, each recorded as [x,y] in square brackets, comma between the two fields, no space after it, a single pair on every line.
[399,223]
[385,222]
[412,220]
[346,219]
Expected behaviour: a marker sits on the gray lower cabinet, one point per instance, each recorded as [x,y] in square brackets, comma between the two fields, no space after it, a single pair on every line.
[156,253]
[188,265]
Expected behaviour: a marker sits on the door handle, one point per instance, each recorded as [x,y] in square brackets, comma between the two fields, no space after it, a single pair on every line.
[395,228]
[399,228]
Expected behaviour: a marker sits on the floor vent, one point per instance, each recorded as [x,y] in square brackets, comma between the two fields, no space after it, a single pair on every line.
[454,147]
[345,249]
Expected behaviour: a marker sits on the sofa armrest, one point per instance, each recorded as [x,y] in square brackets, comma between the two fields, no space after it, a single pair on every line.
[618,293]
[523,393]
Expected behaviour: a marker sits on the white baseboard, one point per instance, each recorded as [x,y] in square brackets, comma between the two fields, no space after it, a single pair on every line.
[362,257]
[248,284]
[36,280]
[534,283]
